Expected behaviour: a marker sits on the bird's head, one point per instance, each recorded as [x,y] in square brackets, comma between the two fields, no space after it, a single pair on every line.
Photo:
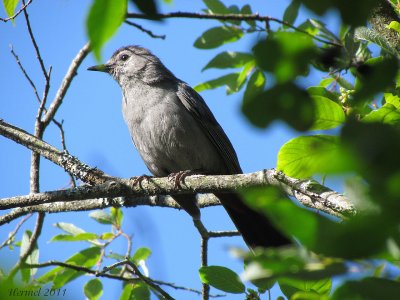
[133,63]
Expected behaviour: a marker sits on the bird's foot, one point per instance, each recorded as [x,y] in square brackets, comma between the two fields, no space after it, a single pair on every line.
[179,177]
[137,180]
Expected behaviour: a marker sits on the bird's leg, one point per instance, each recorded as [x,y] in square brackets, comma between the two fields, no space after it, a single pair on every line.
[179,177]
[139,179]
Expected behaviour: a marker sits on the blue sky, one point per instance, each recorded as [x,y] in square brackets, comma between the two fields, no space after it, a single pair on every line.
[96,133]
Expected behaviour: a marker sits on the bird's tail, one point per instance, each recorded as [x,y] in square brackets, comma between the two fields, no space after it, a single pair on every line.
[256,229]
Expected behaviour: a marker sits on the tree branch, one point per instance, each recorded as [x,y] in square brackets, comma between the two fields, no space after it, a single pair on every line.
[308,192]
[76,62]
[148,32]
[23,7]
[225,17]
[60,158]
[53,263]
[143,278]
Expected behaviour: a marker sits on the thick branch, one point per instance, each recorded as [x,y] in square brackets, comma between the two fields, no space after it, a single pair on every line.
[308,192]
[92,204]
[63,159]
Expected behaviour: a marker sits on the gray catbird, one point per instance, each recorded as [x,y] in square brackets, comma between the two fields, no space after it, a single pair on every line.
[174,130]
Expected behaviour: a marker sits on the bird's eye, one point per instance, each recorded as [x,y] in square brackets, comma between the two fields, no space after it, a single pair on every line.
[124,57]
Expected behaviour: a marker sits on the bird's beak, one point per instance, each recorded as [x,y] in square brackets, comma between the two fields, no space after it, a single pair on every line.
[101,68]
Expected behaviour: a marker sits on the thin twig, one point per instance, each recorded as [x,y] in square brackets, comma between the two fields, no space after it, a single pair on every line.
[64,146]
[218,234]
[35,45]
[204,237]
[239,17]
[76,62]
[53,263]
[145,279]
[44,98]
[33,240]
[23,7]
[148,32]
[205,292]
[32,84]
[128,250]
[14,232]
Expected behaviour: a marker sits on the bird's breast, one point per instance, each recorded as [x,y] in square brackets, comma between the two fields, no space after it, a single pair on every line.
[167,136]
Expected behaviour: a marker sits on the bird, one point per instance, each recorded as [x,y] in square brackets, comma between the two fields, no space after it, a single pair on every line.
[174,131]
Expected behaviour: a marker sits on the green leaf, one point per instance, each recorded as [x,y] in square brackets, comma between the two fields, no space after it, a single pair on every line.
[326,82]
[392,99]
[93,289]
[33,257]
[102,22]
[375,76]
[291,286]
[285,54]
[246,70]
[61,276]
[287,217]
[141,254]
[117,215]
[229,59]
[147,7]
[284,101]
[107,235]
[328,114]
[69,228]
[291,12]
[346,9]
[323,31]
[370,35]
[10,6]
[116,256]
[216,6]
[387,114]
[25,242]
[376,145]
[87,236]
[350,239]
[368,288]
[344,83]
[321,91]
[217,36]
[255,85]
[265,266]
[222,278]
[395,26]
[101,216]
[230,80]
[246,10]
[305,156]
[137,291]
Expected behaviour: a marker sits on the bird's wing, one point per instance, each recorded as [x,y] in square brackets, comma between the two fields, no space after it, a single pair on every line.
[196,105]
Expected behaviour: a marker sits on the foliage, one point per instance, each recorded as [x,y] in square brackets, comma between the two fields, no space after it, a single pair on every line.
[348,123]
[358,98]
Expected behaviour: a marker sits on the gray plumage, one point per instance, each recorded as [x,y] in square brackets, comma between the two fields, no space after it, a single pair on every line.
[174,130]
